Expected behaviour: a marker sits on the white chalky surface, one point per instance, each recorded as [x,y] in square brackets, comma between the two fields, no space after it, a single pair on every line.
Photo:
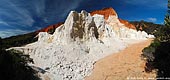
[75,46]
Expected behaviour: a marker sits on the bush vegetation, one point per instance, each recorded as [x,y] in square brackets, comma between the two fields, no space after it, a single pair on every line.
[148,27]
[14,64]
[158,53]
[18,40]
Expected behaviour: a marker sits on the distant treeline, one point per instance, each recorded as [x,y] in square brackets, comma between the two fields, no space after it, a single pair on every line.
[148,27]
[18,40]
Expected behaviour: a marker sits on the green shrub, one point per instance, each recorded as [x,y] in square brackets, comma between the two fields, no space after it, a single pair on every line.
[14,66]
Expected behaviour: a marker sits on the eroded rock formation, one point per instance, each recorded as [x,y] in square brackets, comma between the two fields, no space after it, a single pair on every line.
[70,52]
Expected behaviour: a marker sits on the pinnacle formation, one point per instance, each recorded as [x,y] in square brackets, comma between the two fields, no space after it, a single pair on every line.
[106,12]
[71,51]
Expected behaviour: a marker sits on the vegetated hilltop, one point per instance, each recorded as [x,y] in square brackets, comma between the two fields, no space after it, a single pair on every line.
[149,27]
[18,40]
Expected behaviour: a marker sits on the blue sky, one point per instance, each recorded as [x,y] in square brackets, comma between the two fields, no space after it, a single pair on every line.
[23,16]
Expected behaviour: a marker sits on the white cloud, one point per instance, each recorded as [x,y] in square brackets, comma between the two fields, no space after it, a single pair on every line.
[4,23]
[7,24]
[17,14]
[12,32]
[152,19]
[14,13]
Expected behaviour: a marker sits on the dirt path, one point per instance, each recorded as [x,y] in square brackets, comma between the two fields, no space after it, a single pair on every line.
[123,65]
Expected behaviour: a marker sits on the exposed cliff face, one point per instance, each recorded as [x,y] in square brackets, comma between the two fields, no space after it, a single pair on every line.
[127,24]
[111,12]
[84,27]
[71,51]
[106,12]
[46,29]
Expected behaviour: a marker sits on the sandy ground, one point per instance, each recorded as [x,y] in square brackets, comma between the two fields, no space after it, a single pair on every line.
[125,65]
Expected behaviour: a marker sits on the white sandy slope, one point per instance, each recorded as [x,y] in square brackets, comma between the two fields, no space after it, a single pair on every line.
[124,65]
[70,53]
